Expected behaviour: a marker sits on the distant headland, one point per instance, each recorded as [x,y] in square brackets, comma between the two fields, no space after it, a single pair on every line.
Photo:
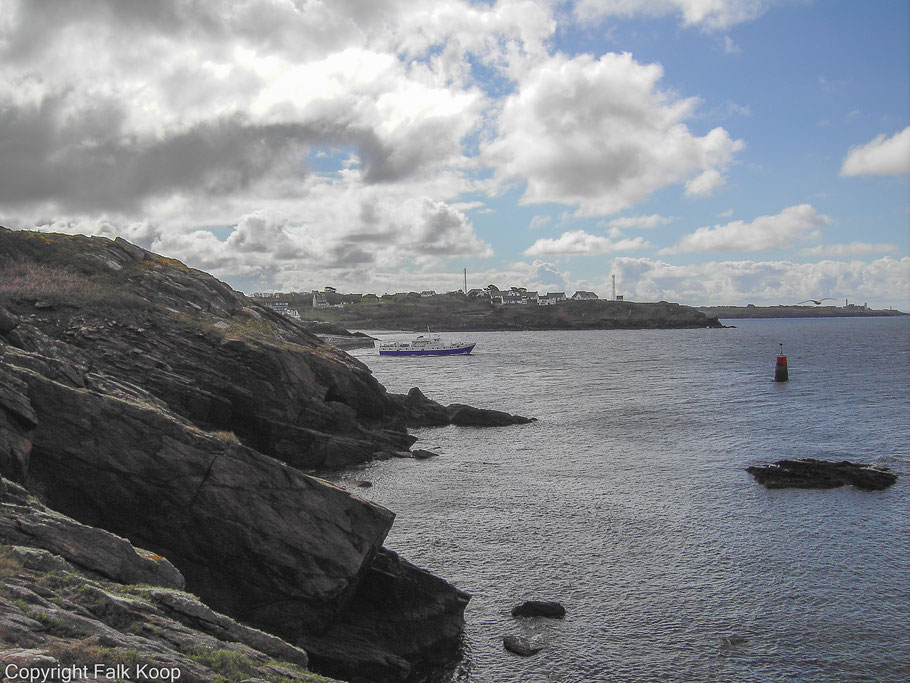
[481,310]
[848,310]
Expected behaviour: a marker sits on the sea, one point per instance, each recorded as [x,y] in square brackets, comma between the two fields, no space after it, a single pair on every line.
[628,501]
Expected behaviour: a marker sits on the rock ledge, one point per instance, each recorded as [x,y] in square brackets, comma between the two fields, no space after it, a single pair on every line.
[810,473]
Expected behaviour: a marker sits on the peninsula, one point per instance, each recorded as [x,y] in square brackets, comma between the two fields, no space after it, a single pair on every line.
[455,311]
[845,311]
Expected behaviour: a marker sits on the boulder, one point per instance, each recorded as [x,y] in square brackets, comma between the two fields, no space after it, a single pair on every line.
[413,618]
[810,473]
[423,454]
[537,608]
[520,645]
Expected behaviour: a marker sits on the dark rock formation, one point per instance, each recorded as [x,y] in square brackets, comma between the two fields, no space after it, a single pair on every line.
[520,646]
[214,357]
[396,621]
[421,411]
[809,473]
[26,522]
[150,400]
[538,608]
[423,454]
[73,595]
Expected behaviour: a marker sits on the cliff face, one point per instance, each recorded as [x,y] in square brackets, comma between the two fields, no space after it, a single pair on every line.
[151,400]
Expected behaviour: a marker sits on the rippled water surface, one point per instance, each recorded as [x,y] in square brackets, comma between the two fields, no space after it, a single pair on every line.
[629,503]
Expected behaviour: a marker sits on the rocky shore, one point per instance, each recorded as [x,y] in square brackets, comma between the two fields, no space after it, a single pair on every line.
[144,400]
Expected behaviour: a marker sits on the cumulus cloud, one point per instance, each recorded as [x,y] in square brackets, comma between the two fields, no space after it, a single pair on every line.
[650,221]
[581,242]
[712,15]
[845,250]
[880,156]
[793,224]
[127,101]
[883,280]
[599,135]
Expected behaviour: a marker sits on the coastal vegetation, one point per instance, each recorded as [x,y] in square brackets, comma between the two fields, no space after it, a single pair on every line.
[456,312]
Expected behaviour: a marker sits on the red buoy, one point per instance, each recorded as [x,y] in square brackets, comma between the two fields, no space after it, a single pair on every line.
[781,373]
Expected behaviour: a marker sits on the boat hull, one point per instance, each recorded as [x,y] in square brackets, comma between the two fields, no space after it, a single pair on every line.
[458,351]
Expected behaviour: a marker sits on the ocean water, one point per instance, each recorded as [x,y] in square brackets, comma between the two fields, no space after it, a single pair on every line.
[628,501]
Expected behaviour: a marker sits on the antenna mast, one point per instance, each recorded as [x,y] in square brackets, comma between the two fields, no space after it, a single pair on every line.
[465,281]
[614,287]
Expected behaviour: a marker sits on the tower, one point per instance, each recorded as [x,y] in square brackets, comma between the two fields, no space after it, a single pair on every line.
[614,287]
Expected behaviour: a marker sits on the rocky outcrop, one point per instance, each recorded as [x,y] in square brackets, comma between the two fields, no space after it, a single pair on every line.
[83,599]
[395,622]
[809,473]
[149,400]
[421,411]
[214,357]
[520,645]
[539,608]
[26,522]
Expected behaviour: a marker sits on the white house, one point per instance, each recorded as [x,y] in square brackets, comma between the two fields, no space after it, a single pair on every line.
[551,298]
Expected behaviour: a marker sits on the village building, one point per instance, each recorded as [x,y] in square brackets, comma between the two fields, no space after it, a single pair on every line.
[319,300]
[551,298]
[513,297]
[582,295]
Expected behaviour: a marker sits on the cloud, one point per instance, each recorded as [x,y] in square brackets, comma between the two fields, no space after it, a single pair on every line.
[539,222]
[879,156]
[793,224]
[730,46]
[598,134]
[580,242]
[846,250]
[650,221]
[711,15]
[881,282]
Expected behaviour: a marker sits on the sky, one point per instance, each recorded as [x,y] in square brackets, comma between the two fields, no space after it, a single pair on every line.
[706,152]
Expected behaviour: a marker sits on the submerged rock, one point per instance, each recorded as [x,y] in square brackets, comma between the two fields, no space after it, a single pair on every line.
[810,473]
[733,641]
[539,608]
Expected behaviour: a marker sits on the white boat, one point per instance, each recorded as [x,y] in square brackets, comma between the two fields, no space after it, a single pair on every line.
[426,345]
